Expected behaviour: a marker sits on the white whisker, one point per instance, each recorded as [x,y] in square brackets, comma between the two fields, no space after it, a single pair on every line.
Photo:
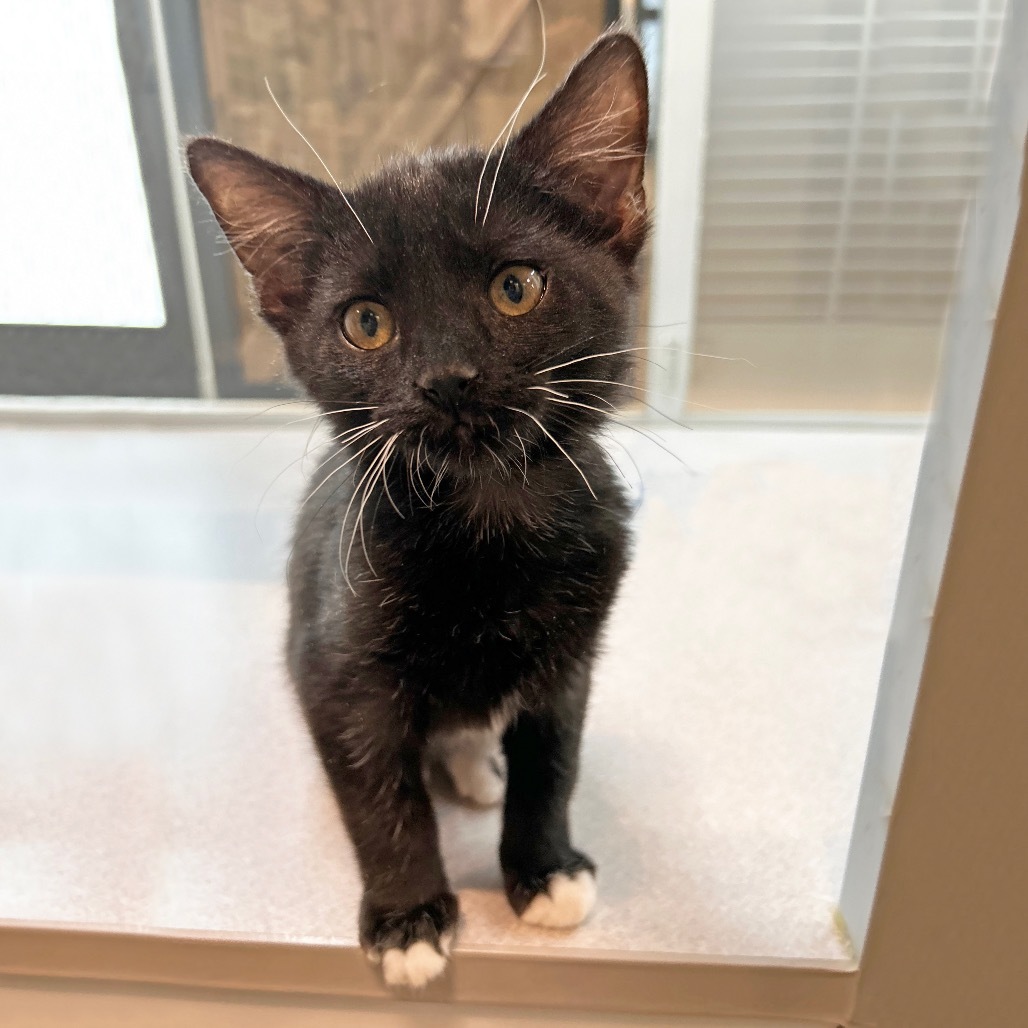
[642,389]
[351,435]
[335,471]
[624,424]
[359,523]
[589,357]
[345,569]
[509,126]
[521,442]
[328,171]
[497,459]
[274,406]
[289,424]
[586,406]
[327,413]
[438,479]
[543,429]
[417,469]
[385,476]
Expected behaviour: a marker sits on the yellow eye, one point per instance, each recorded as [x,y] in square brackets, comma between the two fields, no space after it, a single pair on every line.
[517,289]
[368,325]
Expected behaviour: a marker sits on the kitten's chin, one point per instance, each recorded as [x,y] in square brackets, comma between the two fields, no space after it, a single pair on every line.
[477,470]
[466,438]
[464,448]
[492,502]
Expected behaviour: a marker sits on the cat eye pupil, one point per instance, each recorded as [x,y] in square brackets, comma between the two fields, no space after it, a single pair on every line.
[517,289]
[513,288]
[369,323]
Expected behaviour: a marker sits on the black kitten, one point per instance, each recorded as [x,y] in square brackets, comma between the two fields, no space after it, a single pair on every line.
[463,321]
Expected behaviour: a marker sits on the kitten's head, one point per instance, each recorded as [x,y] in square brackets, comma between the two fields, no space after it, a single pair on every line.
[454,293]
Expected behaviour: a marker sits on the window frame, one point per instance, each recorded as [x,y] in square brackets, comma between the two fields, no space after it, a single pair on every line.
[936,883]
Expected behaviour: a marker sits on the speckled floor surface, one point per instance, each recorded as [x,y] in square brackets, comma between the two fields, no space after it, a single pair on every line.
[154,771]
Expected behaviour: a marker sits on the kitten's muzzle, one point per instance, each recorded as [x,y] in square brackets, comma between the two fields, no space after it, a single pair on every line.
[448,390]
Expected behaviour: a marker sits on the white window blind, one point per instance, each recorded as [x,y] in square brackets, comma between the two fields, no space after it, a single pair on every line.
[845,141]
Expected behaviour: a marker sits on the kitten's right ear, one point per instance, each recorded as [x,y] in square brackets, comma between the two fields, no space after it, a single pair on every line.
[589,139]
[269,215]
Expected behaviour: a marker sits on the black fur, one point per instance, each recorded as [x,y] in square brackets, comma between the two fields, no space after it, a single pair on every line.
[469,582]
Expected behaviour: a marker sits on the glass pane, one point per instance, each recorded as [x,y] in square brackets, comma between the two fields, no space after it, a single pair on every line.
[845,140]
[78,248]
[832,166]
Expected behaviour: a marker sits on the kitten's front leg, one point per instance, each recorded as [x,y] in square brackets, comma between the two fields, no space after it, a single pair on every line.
[548,882]
[373,758]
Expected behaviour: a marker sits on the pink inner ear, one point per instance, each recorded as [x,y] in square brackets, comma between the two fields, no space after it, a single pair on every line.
[589,139]
[266,213]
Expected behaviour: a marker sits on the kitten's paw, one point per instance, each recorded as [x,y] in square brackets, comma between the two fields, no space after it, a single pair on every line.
[567,901]
[475,765]
[412,968]
[481,783]
[411,946]
[562,899]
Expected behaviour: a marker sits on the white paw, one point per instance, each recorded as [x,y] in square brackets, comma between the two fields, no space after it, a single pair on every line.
[414,967]
[475,762]
[566,902]
[478,781]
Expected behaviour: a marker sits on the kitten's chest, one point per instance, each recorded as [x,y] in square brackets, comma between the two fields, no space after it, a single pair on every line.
[482,594]
[499,610]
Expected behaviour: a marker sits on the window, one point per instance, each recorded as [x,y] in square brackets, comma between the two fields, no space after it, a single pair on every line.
[814,170]
[94,300]
[844,141]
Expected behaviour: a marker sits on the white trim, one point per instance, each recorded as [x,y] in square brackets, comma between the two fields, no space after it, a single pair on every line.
[206,379]
[678,183]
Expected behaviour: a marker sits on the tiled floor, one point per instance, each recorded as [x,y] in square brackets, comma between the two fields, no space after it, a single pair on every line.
[154,771]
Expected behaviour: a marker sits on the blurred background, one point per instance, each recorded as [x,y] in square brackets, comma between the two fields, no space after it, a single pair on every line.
[812,165]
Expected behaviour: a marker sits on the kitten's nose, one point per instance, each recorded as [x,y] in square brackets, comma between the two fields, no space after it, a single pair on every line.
[448,389]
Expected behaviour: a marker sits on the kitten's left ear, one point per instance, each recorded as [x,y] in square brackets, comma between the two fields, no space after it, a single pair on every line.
[589,139]
[269,214]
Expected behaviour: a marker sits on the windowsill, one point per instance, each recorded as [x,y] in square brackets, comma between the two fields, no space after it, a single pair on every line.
[165,817]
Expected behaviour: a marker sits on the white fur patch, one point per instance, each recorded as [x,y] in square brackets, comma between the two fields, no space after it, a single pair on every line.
[475,762]
[412,968]
[565,903]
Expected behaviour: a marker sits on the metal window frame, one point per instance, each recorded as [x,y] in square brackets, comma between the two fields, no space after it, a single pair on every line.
[678,159]
[189,111]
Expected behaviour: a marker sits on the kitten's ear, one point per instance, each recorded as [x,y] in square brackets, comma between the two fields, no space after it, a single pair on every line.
[268,213]
[589,139]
